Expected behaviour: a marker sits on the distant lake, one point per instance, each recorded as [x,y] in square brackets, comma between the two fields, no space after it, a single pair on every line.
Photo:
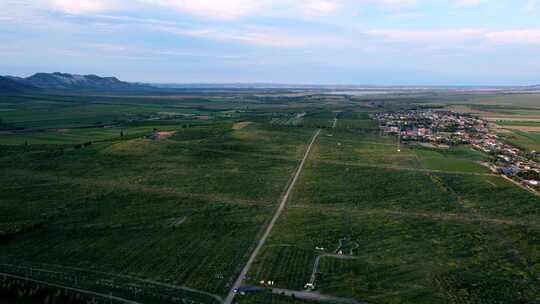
[359,93]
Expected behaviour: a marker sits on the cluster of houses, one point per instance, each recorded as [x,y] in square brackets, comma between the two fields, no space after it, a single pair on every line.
[443,127]
[438,128]
[510,161]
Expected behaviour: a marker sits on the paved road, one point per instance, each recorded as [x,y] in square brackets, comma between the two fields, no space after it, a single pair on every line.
[283,203]
[314,296]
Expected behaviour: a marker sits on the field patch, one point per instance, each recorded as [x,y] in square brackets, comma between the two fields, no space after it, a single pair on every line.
[454,160]
[494,196]
[241,125]
[525,140]
[398,260]
[363,148]
[147,235]
[364,188]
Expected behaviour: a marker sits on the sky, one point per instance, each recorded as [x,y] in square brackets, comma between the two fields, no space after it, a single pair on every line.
[363,42]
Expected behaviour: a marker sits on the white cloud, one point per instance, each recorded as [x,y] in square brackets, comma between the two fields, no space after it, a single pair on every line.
[258,36]
[529,36]
[427,36]
[78,7]
[215,9]
[393,4]
[319,7]
[234,9]
[469,2]
[222,9]
[463,37]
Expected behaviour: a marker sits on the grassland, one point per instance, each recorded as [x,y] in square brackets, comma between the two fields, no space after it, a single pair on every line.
[401,258]
[423,226]
[172,218]
[88,201]
[182,211]
[528,141]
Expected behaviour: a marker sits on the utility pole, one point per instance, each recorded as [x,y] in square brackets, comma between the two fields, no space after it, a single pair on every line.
[399,139]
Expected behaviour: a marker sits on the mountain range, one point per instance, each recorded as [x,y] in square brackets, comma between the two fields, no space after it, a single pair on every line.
[64,81]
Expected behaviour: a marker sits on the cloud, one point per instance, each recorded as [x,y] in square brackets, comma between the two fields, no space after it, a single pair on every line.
[458,37]
[392,4]
[234,9]
[530,36]
[319,7]
[257,36]
[225,10]
[469,2]
[222,9]
[427,36]
[78,7]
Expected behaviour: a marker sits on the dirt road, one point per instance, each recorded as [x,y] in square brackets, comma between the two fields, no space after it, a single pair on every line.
[520,185]
[268,229]
[318,260]
[108,297]
[314,296]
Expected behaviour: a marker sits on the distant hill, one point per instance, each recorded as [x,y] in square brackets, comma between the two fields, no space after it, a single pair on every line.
[12,84]
[72,81]
[64,81]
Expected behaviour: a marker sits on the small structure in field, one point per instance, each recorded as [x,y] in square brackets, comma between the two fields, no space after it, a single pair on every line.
[159,135]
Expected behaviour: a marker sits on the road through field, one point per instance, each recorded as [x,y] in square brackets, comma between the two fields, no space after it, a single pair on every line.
[314,296]
[318,260]
[107,297]
[283,203]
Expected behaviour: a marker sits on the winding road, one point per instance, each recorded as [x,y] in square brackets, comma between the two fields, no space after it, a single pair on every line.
[318,260]
[268,229]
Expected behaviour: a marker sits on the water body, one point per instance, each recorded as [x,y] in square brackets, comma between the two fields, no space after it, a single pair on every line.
[358,93]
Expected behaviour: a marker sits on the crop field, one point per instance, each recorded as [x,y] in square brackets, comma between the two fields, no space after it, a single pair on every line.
[369,149]
[161,198]
[400,258]
[529,141]
[134,214]
[182,211]
[416,226]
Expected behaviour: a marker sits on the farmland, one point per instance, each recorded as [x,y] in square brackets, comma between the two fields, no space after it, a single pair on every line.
[94,200]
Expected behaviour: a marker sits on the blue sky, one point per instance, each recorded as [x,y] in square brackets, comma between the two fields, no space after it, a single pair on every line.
[385,42]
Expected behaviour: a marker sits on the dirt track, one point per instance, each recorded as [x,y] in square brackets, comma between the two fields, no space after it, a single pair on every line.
[314,296]
[77,290]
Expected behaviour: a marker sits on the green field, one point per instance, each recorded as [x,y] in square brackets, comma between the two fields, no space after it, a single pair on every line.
[528,141]
[424,226]
[89,201]
[401,258]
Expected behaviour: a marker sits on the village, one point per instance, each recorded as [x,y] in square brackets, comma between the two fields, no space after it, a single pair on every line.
[441,129]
